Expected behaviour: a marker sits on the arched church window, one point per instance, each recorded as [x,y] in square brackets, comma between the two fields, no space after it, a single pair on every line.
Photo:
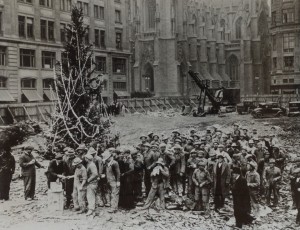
[233,68]
[151,12]
[238,28]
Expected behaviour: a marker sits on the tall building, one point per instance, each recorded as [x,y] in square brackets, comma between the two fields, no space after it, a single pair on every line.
[31,41]
[285,32]
[225,41]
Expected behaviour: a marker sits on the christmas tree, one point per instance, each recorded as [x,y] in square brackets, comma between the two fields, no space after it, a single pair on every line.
[77,119]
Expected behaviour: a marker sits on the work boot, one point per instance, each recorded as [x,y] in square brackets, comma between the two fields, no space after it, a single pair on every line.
[81,211]
[90,212]
[76,209]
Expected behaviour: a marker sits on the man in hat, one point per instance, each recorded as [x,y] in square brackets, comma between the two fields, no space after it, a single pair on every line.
[279,157]
[253,182]
[272,177]
[112,174]
[92,184]
[150,137]
[243,142]
[236,131]
[241,199]
[156,140]
[233,149]
[190,168]
[138,164]
[192,132]
[212,160]
[221,181]
[262,165]
[246,134]
[294,173]
[158,176]
[69,172]
[188,147]
[297,197]
[7,169]
[178,170]
[56,169]
[143,139]
[250,159]
[28,163]
[202,181]
[79,178]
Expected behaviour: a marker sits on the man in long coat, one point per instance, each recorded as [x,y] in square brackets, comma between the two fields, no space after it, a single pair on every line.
[7,169]
[221,181]
[241,199]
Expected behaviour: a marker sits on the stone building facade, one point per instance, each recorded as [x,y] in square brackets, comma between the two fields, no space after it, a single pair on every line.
[285,33]
[225,41]
[31,41]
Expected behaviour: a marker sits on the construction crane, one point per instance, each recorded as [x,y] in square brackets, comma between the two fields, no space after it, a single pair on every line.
[216,98]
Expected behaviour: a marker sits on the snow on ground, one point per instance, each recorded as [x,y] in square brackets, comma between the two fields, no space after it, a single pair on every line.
[20,214]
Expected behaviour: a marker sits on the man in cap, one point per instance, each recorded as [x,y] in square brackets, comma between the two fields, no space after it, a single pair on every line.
[112,174]
[149,160]
[138,164]
[69,172]
[251,147]
[294,173]
[262,165]
[192,132]
[245,132]
[28,163]
[212,160]
[178,170]
[236,131]
[226,156]
[232,149]
[190,168]
[202,181]
[92,184]
[221,181]
[143,139]
[158,176]
[156,140]
[81,151]
[250,159]
[279,157]
[150,137]
[259,152]
[243,142]
[7,169]
[253,182]
[272,177]
[79,178]
[56,169]
[188,147]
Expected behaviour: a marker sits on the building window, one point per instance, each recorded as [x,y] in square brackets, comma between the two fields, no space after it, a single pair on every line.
[84,6]
[28,83]
[47,30]
[288,42]
[274,62]
[274,42]
[48,59]
[288,15]
[25,1]
[3,82]
[118,16]
[119,86]
[238,28]
[2,55]
[87,37]
[100,38]
[233,68]
[48,83]
[118,40]
[99,12]
[273,16]
[27,58]
[285,81]
[100,64]
[291,80]
[46,3]
[288,63]
[63,32]
[0,21]
[119,65]
[65,5]
[25,26]
[151,12]
[64,59]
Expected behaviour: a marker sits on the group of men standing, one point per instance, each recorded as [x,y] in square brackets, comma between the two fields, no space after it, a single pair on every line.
[196,165]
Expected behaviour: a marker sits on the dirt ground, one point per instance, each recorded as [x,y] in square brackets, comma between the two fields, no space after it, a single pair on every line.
[20,214]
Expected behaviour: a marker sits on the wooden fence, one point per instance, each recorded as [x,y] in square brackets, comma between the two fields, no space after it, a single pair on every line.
[283,100]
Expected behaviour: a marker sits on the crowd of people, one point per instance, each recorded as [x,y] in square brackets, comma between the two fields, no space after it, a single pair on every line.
[206,167]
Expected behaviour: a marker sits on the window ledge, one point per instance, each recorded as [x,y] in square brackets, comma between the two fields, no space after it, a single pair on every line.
[32,68]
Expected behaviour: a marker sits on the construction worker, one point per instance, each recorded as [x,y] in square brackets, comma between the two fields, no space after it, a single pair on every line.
[272,177]
[253,182]
[28,163]
[79,193]
[190,168]
[202,181]
[159,173]
[178,170]
[294,172]
[112,174]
